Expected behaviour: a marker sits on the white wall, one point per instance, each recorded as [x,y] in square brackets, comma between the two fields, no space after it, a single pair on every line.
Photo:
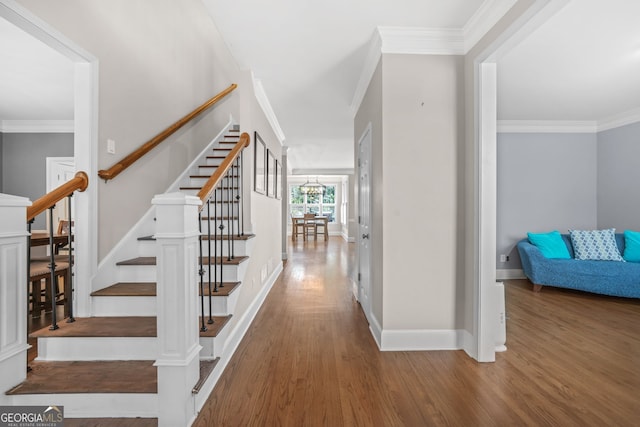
[423,129]
[157,62]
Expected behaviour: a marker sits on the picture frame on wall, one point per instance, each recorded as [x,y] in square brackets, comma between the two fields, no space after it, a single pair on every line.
[278,188]
[271,174]
[259,165]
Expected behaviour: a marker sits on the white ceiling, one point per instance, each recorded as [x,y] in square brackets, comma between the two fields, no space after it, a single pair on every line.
[36,82]
[583,64]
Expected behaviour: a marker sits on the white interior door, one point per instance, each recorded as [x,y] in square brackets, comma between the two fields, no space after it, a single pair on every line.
[364,212]
[59,171]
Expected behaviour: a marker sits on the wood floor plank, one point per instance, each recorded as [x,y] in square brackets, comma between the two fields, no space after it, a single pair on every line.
[309,359]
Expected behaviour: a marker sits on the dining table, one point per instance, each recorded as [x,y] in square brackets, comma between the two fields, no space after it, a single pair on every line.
[324,219]
[41,238]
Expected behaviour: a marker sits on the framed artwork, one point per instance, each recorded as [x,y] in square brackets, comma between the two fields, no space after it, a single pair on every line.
[271,174]
[259,165]
[278,189]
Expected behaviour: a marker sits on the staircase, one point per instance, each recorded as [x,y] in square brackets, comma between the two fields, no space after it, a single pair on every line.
[105,365]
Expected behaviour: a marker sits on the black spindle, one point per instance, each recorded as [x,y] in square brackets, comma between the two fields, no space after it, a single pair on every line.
[52,273]
[210,321]
[69,288]
[201,272]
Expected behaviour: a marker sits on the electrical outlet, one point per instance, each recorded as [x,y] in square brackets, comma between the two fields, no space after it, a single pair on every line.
[504,258]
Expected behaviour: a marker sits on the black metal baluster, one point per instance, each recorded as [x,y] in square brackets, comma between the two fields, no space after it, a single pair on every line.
[221,228]
[232,233]
[69,297]
[241,183]
[215,241]
[229,203]
[201,272]
[52,274]
[210,321]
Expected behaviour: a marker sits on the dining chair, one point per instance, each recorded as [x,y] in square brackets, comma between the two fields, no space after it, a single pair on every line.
[310,225]
[297,225]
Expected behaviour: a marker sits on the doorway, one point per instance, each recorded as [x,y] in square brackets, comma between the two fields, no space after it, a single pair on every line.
[364,223]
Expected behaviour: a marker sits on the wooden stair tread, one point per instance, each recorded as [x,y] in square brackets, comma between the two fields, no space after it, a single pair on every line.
[214,328]
[120,376]
[246,236]
[151,260]
[142,289]
[148,289]
[206,367]
[130,326]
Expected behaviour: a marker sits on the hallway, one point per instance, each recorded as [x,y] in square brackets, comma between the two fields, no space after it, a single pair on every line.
[309,360]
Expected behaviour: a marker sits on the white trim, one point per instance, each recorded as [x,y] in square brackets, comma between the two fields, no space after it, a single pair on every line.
[376,329]
[547,126]
[487,15]
[36,126]
[235,337]
[335,171]
[422,41]
[263,101]
[346,237]
[510,274]
[618,120]
[370,64]
[421,340]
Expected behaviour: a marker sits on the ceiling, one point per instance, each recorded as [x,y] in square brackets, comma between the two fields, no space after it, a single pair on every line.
[581,65]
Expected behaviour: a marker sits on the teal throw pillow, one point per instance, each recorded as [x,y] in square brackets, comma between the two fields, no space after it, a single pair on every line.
[631,246]
[550,244]
[595,245]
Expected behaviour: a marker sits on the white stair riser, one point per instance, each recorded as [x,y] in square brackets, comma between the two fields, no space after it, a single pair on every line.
[213,347]
[201,181]
[124,306]
[95,405]
[146,306]
[148,248]
[97,348]
[147,273]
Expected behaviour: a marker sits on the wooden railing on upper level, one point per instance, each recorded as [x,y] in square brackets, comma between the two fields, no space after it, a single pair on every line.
[206,190]
[78,183]
[115,170]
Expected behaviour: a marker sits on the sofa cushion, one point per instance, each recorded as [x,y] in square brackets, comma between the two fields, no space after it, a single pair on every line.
[595,245]
[550,244]
[631,246]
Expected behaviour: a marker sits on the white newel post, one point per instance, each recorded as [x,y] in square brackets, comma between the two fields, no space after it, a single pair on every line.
[13,292]
[177,296]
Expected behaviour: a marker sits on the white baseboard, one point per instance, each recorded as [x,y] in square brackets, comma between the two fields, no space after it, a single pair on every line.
[510,274]
[376,330]
[421,340]
[347,238]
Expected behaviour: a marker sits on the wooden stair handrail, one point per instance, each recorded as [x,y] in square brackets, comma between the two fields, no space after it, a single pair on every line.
[115,170]
[206,190]
[79,182]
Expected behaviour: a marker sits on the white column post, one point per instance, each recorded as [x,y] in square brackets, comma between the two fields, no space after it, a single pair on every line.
[13,292]
[177,296]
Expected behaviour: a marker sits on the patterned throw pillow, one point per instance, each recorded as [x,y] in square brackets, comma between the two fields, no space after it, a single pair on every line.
[595,245]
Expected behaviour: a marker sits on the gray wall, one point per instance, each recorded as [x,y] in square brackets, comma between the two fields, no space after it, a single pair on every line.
[24,163]
[1,168]
[545,182]
[619,178]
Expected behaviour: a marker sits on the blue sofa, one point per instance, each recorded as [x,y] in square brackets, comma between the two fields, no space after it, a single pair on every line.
[614,278]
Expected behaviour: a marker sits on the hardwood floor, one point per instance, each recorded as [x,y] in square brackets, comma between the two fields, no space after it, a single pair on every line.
[573,359]
[308,359]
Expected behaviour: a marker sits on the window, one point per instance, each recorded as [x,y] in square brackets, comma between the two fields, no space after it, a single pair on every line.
[318,204]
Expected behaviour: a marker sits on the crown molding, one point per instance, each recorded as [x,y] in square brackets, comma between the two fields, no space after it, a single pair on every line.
[36,126]
[547,126]
[422,41]
[325,172]
[618,120]
[263,101]
[370,64]
[487,15]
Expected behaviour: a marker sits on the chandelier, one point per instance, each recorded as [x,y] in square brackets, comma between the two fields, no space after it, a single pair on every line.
[313,188]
